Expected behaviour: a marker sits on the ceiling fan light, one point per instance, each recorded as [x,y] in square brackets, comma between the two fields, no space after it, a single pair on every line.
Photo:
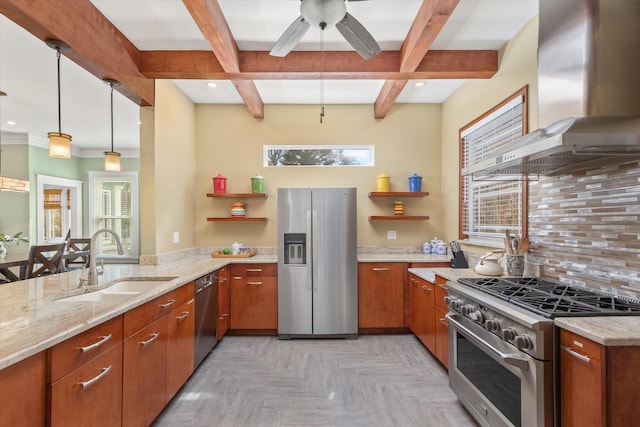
[329,12]
[112,161]
[59,145]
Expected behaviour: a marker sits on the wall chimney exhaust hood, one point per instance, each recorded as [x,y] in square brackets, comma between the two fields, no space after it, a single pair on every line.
[588,91]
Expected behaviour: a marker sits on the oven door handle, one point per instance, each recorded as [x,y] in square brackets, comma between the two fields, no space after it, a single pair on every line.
[514,360]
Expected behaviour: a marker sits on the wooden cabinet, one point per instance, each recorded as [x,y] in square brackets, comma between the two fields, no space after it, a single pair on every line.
[180,346]
[152,339]
[145,379]
[441,324]
[223,302]
[427,312]
[90,395]
[229,218]
[598,384]
[85,378]
[381,295]
[422,296]
[397,195]
[23,392]
[254,297]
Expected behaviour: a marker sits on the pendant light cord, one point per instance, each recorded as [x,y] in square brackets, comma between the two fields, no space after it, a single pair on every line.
[322,27]
[111,84]
[59,112]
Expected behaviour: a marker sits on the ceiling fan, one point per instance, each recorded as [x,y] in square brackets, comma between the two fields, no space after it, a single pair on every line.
[324,14]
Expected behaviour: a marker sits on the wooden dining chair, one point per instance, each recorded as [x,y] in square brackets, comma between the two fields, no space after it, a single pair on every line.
[83,247]
[43,260]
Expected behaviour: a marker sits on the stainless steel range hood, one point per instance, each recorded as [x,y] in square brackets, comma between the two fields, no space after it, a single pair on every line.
[588,91]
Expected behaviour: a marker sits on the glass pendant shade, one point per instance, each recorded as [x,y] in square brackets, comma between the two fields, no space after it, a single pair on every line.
[111,161]
[59,145]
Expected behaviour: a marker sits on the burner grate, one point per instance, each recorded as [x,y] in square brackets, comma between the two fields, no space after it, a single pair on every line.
[553,299]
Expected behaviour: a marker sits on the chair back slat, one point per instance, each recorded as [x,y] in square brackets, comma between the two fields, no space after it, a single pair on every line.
[78,245]
[45,259]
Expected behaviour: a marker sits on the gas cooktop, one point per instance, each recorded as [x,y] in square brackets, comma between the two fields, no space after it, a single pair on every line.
[553,299]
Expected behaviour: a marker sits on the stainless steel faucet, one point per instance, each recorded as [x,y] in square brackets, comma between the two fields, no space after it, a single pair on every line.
[92,278]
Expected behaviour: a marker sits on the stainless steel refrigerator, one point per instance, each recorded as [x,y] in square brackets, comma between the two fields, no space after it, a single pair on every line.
[317,262]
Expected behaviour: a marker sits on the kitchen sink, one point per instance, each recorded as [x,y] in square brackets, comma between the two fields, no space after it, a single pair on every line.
[134,285]
[120,290]
[100,296]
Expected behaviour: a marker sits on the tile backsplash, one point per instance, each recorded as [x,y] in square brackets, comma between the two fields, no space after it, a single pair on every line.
[585,227]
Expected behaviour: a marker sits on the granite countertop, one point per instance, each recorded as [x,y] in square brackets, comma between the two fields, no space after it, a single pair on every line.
[32,320]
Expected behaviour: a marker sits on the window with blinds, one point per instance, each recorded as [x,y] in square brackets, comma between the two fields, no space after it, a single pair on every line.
[489,205]
[114,205]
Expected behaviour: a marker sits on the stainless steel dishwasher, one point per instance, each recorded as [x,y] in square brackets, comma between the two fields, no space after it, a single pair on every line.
[206,296]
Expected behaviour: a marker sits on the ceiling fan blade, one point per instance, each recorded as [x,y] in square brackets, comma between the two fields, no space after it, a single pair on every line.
[290,38]
[358,37]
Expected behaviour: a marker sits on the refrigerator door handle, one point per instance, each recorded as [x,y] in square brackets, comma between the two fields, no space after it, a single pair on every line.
[310,255]
[314,249]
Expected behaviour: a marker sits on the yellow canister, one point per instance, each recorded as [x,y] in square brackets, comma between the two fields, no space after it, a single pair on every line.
[382,183]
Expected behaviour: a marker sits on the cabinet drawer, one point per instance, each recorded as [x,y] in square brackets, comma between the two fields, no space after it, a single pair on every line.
[90,395]
[74,352]
[441,292]
[139,317]
[578,346]
[244,270]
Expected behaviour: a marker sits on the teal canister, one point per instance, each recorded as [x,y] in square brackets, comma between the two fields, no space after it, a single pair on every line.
[257,184]
[415,183]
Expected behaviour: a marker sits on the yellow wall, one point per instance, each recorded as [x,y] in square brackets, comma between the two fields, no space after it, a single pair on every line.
[518,67]
[168,152]
[230,142]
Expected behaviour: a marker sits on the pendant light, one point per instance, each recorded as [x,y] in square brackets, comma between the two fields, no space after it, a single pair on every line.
[111,158]
[59,143]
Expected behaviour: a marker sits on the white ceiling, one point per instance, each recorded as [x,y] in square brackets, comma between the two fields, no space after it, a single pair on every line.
[28,66]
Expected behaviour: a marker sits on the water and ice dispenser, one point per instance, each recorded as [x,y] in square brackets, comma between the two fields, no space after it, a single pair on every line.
[295,248]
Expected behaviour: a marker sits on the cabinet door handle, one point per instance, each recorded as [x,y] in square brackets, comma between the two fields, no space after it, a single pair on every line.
[168,304]
[183,316]
[150,340]
[237,277]
[90,347]
[254,283]
[426,288]
[380,268]
[576,354]
[444,322]
[225,315]
[253,270]
[105,371]
[443,287]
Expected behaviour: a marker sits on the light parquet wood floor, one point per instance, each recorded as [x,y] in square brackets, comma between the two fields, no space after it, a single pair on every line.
[369,381]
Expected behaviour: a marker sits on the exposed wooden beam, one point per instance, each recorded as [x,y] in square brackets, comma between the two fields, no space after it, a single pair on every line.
[431,17]
[96,44]
[436,64]
[208,15]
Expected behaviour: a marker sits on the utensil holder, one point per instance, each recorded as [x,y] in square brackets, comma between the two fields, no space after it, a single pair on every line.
[515,265]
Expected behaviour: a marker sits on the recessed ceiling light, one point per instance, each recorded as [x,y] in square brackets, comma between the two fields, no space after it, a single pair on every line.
[212,84]
[10,122]
[419,84]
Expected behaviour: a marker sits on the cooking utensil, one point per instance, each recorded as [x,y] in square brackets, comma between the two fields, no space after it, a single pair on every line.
[525,244]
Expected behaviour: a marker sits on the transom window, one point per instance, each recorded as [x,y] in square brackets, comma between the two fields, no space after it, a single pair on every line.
[489,205]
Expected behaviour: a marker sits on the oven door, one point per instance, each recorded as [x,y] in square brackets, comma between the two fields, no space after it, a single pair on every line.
[498,384]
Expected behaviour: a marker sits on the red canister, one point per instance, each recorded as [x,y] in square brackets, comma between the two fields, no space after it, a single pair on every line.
[219,184]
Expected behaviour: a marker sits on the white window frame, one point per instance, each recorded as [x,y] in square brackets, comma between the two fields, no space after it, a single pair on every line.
[135,216]
[491,186]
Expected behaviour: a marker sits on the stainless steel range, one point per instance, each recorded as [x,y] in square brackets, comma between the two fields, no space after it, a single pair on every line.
[502,348]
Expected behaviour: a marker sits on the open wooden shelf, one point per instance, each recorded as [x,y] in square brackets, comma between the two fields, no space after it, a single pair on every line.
[398,193]
[237,219]
[398,218]
[238,195]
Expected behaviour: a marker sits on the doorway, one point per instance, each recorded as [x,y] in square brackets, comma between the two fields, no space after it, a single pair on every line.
[59,202]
